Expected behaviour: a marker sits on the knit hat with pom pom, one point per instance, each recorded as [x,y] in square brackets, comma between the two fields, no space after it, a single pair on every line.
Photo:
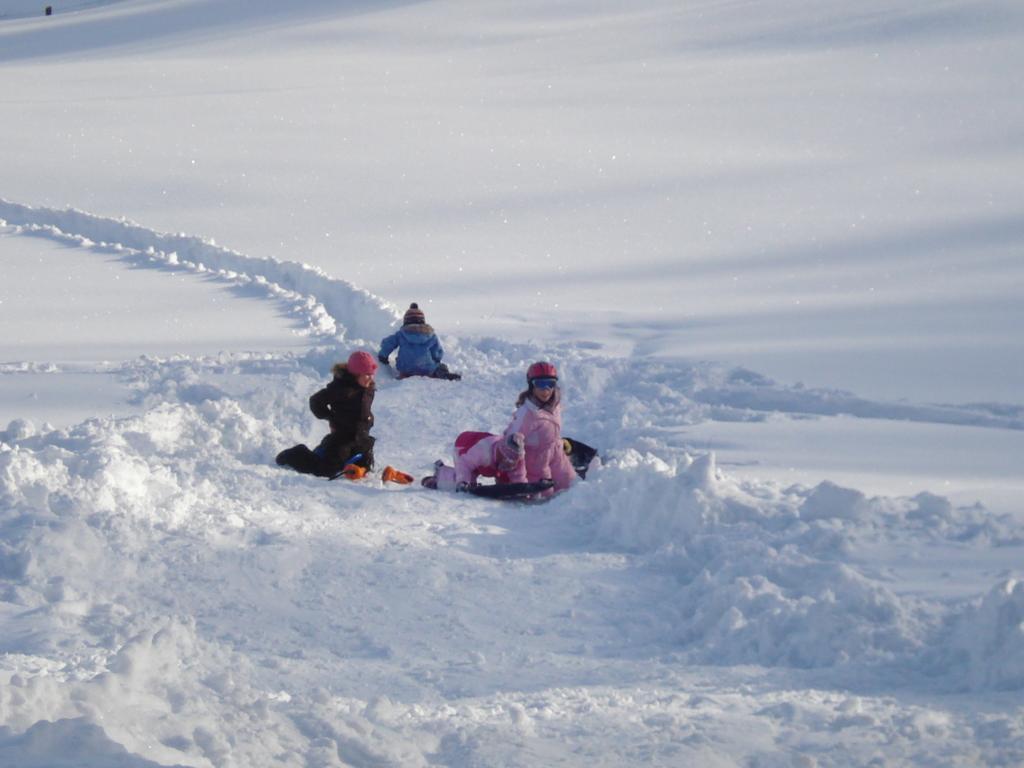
[414,315]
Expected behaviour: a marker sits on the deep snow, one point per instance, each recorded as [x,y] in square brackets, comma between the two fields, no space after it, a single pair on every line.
[763,572]
[165,582]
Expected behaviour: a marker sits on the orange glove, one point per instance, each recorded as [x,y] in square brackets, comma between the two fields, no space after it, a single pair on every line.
[392,475]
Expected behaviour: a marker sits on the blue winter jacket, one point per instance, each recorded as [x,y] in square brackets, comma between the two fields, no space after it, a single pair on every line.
[419,351]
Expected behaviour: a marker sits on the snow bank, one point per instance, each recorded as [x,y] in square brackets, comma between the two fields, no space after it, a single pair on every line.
[756,583]
[69,743]
[986,647]
[83,513]
[322,300]
[764,575]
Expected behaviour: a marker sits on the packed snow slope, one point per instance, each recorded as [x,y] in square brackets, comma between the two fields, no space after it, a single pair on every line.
[170,597]
[829,194]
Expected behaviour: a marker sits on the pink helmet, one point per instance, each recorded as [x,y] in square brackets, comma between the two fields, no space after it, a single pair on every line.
[360,363]
[541,370]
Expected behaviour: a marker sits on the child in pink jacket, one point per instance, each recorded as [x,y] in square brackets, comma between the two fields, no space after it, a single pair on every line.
[480,454]
[539,419]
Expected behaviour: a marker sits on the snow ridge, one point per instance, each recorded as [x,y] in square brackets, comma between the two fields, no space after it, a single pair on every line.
[321,299]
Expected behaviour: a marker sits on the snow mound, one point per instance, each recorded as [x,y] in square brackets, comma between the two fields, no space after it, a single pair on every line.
[763,576]
[986,647]
[69,743]
[757,584]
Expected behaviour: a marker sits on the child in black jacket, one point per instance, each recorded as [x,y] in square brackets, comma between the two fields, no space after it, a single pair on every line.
[345,403]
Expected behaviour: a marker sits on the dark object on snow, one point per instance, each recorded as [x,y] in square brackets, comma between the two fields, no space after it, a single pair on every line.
[48,11]
[444,479]
[580,455]
[510,491]
[442,372]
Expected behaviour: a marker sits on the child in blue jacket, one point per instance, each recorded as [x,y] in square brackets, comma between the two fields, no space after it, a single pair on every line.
[419,351]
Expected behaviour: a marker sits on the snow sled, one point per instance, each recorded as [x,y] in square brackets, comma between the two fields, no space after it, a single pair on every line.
[580,455]
[505,491]
[510,491]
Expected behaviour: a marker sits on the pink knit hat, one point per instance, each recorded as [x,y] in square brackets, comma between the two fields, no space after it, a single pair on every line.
[360,363]
[509,451]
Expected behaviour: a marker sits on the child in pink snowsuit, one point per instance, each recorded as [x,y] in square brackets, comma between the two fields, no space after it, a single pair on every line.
[539,419]
[481,454]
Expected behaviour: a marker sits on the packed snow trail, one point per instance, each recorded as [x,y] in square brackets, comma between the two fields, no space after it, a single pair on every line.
[334,310]
[169,596]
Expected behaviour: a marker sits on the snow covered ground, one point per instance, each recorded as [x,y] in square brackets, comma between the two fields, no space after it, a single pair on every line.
[775,253]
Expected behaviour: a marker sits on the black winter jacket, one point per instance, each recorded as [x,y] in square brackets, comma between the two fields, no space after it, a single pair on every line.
[346,405]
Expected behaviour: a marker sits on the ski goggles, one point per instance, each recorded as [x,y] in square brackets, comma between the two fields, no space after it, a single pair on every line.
[548,382]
